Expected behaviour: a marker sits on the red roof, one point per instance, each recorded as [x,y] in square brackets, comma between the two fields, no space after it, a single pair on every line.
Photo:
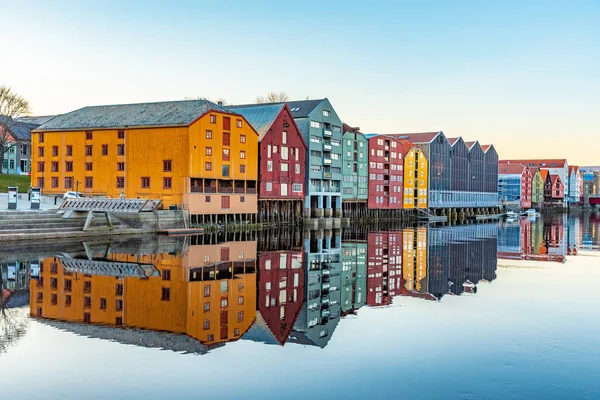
[453,140]
[558,162]
[554,178]
[573,168]
[417,138]
[510,169]
[544,173]
[485,147]
[470,144]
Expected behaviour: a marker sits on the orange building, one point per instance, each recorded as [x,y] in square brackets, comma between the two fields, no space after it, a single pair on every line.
[416,176]
[208,293]
[194,154]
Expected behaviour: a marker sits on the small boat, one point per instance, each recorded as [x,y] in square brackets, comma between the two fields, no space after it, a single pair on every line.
[532,213]
[511,215]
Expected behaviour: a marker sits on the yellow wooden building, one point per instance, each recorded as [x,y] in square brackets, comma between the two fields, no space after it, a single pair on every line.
[415,179]
[193,154]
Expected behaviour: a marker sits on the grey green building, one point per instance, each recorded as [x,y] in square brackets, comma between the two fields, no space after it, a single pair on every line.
[353,276]
[322,131]
[355,171]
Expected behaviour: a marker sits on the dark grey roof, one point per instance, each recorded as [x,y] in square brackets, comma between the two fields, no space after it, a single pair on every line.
[166,113]
[19,130]
[38,120]
[299,109]
[260,116]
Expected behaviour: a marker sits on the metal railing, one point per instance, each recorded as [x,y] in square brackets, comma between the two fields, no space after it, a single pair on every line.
[109,205]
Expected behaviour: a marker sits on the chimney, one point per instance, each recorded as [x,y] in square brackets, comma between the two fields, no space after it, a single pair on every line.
[220,103]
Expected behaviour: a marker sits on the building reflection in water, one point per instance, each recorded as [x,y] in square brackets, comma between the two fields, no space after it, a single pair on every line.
[275,286]
[206,291]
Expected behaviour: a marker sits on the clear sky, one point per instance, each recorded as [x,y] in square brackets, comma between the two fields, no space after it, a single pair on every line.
[522,74]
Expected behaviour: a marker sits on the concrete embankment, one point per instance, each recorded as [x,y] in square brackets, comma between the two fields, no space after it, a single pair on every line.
[48,224]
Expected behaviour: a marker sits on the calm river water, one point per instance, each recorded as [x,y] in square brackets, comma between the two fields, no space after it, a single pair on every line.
[485,311]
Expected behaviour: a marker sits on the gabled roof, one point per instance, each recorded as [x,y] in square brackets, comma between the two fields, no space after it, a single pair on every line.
[573,169]
[554,178]
[299,109]
[559,163]
[38,120]
[417,138]
[485,147]
[544,173]
[18,130]
[453,140]
[348,128]
[510,169]
[260,332]
[471,144]
[166,113]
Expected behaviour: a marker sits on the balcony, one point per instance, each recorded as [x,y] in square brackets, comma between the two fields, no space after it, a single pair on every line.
[326,175]
[327,133]
[327,147]
[327,161]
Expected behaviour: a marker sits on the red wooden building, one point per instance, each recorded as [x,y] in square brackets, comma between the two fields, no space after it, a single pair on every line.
[281,160]
[386,170]
[384,267]
[554,189]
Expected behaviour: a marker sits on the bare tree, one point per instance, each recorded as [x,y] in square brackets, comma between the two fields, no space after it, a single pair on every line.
[11,106]
[272,97]
[220,100]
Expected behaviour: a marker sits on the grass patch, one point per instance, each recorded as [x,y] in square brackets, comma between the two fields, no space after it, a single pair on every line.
[22,181]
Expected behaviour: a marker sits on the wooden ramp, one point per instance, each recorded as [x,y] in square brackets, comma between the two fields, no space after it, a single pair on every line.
[182,231]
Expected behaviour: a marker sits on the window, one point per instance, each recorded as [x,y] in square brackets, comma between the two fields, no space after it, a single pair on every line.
[206,324]
[284,137]
[120,182]
[206,290]
[166,275]
[206,307]
[208,134]
[40,182]
[41,151]
[208,151]
[225,139]
[121,134]
[226,123]
[69,182]
[297,187]
[207,199]
[284,167]
[102,303]
[208,166]
[315,124]
[225,170]
[223,303]
[119,321]
[145,182]
[240,316]
[284,153]
[269,166]
[88,135]
[120,166]
[54,166]
[166,294]
[68,300]
[104,149]
[269,187]
[54,182]
[119,302]
[40,166]
[274,149]
[225,154]
[167,183]
[120,149]
[297,168]
[238,123]
[240,300]
[69,151]
[242,138]
[242,199]
[213,119]
[88,166]
[88,150]
[89,182]
[326,113]
[269,151]
[41,137]
[242,169]
[242,154]
[167,165]
[54,151]
[119,289]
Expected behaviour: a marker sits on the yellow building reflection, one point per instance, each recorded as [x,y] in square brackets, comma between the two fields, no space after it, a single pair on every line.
[208,292]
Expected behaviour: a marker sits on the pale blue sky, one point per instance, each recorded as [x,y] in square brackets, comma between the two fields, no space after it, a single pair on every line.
[524,75]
